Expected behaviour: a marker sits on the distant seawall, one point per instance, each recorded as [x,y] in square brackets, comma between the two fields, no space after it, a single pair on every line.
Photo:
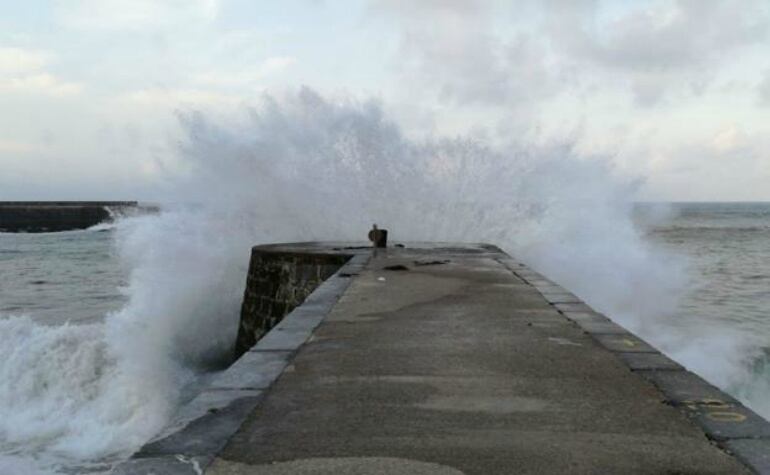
[50,216]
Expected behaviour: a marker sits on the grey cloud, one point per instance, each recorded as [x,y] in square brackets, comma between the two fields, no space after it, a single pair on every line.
[422,7]
[677,37]
[452,48]
[655,49]
[709,168]
[449,46]
[764,89]
[648,89]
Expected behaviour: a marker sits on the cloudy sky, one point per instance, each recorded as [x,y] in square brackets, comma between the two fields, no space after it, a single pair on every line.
[676,93]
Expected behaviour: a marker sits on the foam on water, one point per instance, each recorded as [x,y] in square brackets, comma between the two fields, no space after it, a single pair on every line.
[721,329]
[304,168]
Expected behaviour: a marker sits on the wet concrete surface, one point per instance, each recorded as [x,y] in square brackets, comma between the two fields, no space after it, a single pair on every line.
[464,367]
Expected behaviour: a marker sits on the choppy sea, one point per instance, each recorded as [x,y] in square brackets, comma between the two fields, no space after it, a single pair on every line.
[726,304]
[60,277]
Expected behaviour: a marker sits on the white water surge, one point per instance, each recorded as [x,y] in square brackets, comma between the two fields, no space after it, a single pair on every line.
[303,168]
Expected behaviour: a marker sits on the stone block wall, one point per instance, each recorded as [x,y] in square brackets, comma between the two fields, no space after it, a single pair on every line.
[278,282]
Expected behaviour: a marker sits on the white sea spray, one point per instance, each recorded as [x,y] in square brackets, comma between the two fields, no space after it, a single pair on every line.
[301,168]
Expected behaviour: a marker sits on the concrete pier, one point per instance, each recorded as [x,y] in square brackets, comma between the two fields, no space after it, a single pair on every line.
[447,360]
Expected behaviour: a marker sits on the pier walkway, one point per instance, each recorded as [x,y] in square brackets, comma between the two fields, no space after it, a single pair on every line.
[457,360]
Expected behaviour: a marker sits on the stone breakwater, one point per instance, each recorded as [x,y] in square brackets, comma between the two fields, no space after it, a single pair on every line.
[277,282]
[52,216]
[445,360]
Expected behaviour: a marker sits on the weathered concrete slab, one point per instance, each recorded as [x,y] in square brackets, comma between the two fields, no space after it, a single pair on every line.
[284,339]
[544,285]
[649,361]
[304,317]
[560,297]
[603,328]
[722,421]
[337,466]
[753,452]
[511,263]
[253,370]
[590,317]
[624,343]
[204,436]
[208,402]
[573,307]
[720,415]
[683,387]
[462,368]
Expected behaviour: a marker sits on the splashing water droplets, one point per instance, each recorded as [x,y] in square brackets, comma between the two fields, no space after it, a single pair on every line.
[303,168]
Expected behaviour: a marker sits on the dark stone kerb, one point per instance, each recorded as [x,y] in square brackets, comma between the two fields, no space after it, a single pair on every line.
[723,419]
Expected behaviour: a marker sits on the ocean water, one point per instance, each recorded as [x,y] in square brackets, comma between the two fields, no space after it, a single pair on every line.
[102,340]
[721,326]
[55,291]
[61,277]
